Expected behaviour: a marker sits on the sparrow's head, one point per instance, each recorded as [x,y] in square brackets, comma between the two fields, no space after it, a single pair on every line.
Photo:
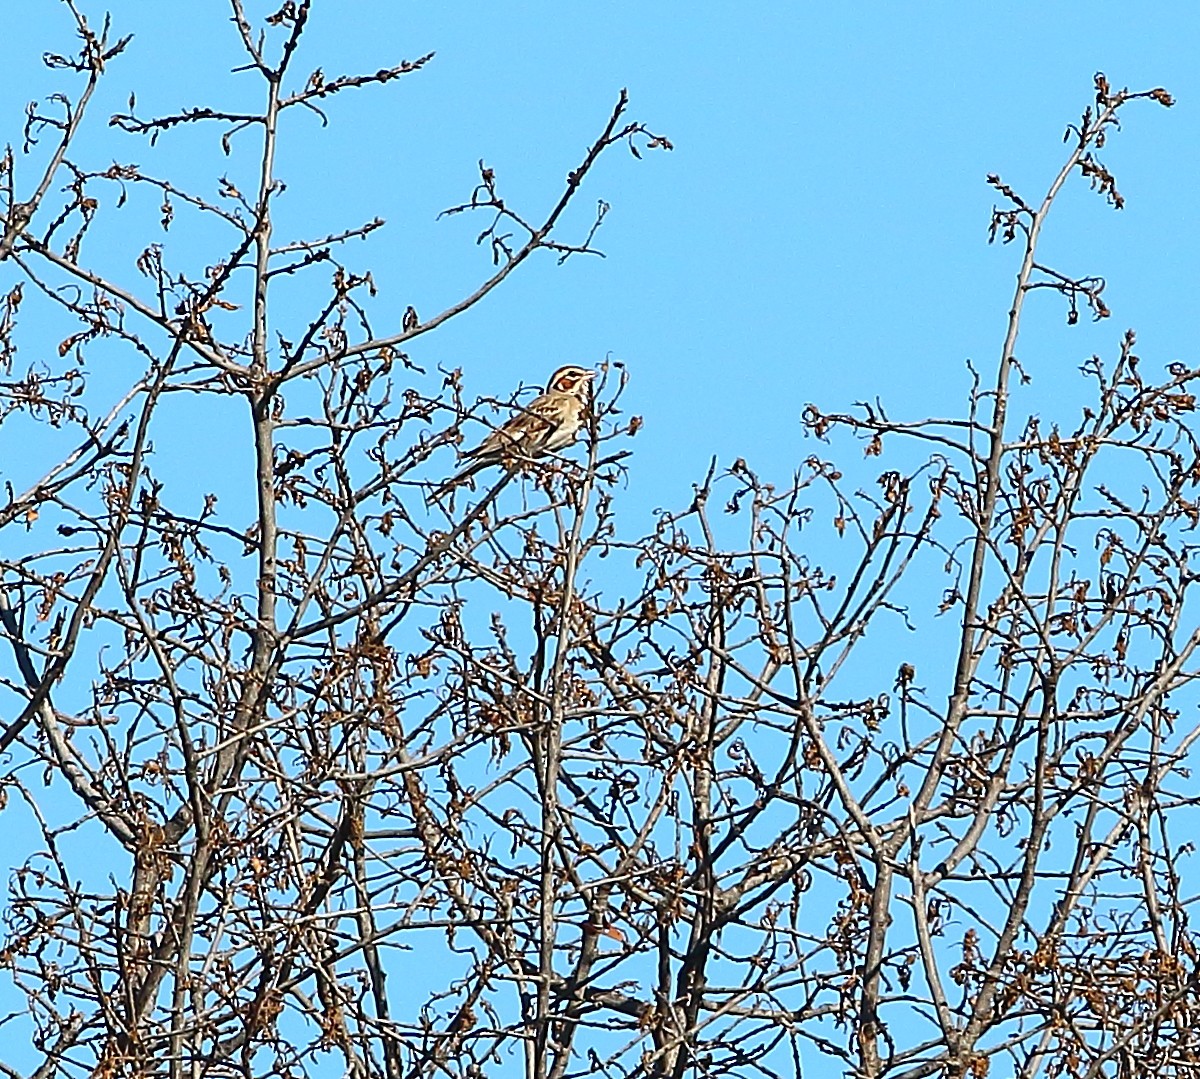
[570,379]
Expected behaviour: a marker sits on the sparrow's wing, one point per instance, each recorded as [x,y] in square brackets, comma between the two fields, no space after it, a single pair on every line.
[526,432]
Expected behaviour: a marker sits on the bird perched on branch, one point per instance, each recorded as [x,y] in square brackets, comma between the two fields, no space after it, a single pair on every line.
[549,423]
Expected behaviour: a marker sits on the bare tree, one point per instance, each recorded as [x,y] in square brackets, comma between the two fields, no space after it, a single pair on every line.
[400,781]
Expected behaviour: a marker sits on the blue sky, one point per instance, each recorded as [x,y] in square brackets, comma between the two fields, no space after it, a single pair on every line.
[818,234]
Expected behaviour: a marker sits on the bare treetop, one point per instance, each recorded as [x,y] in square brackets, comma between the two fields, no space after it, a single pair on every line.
[378,772]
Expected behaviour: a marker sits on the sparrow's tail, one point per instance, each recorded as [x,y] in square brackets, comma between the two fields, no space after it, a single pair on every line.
[439,492]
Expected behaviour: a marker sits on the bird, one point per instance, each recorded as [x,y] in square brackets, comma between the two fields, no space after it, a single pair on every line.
[549,423]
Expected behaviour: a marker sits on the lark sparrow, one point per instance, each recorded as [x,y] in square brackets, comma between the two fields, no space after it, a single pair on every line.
[547,424]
